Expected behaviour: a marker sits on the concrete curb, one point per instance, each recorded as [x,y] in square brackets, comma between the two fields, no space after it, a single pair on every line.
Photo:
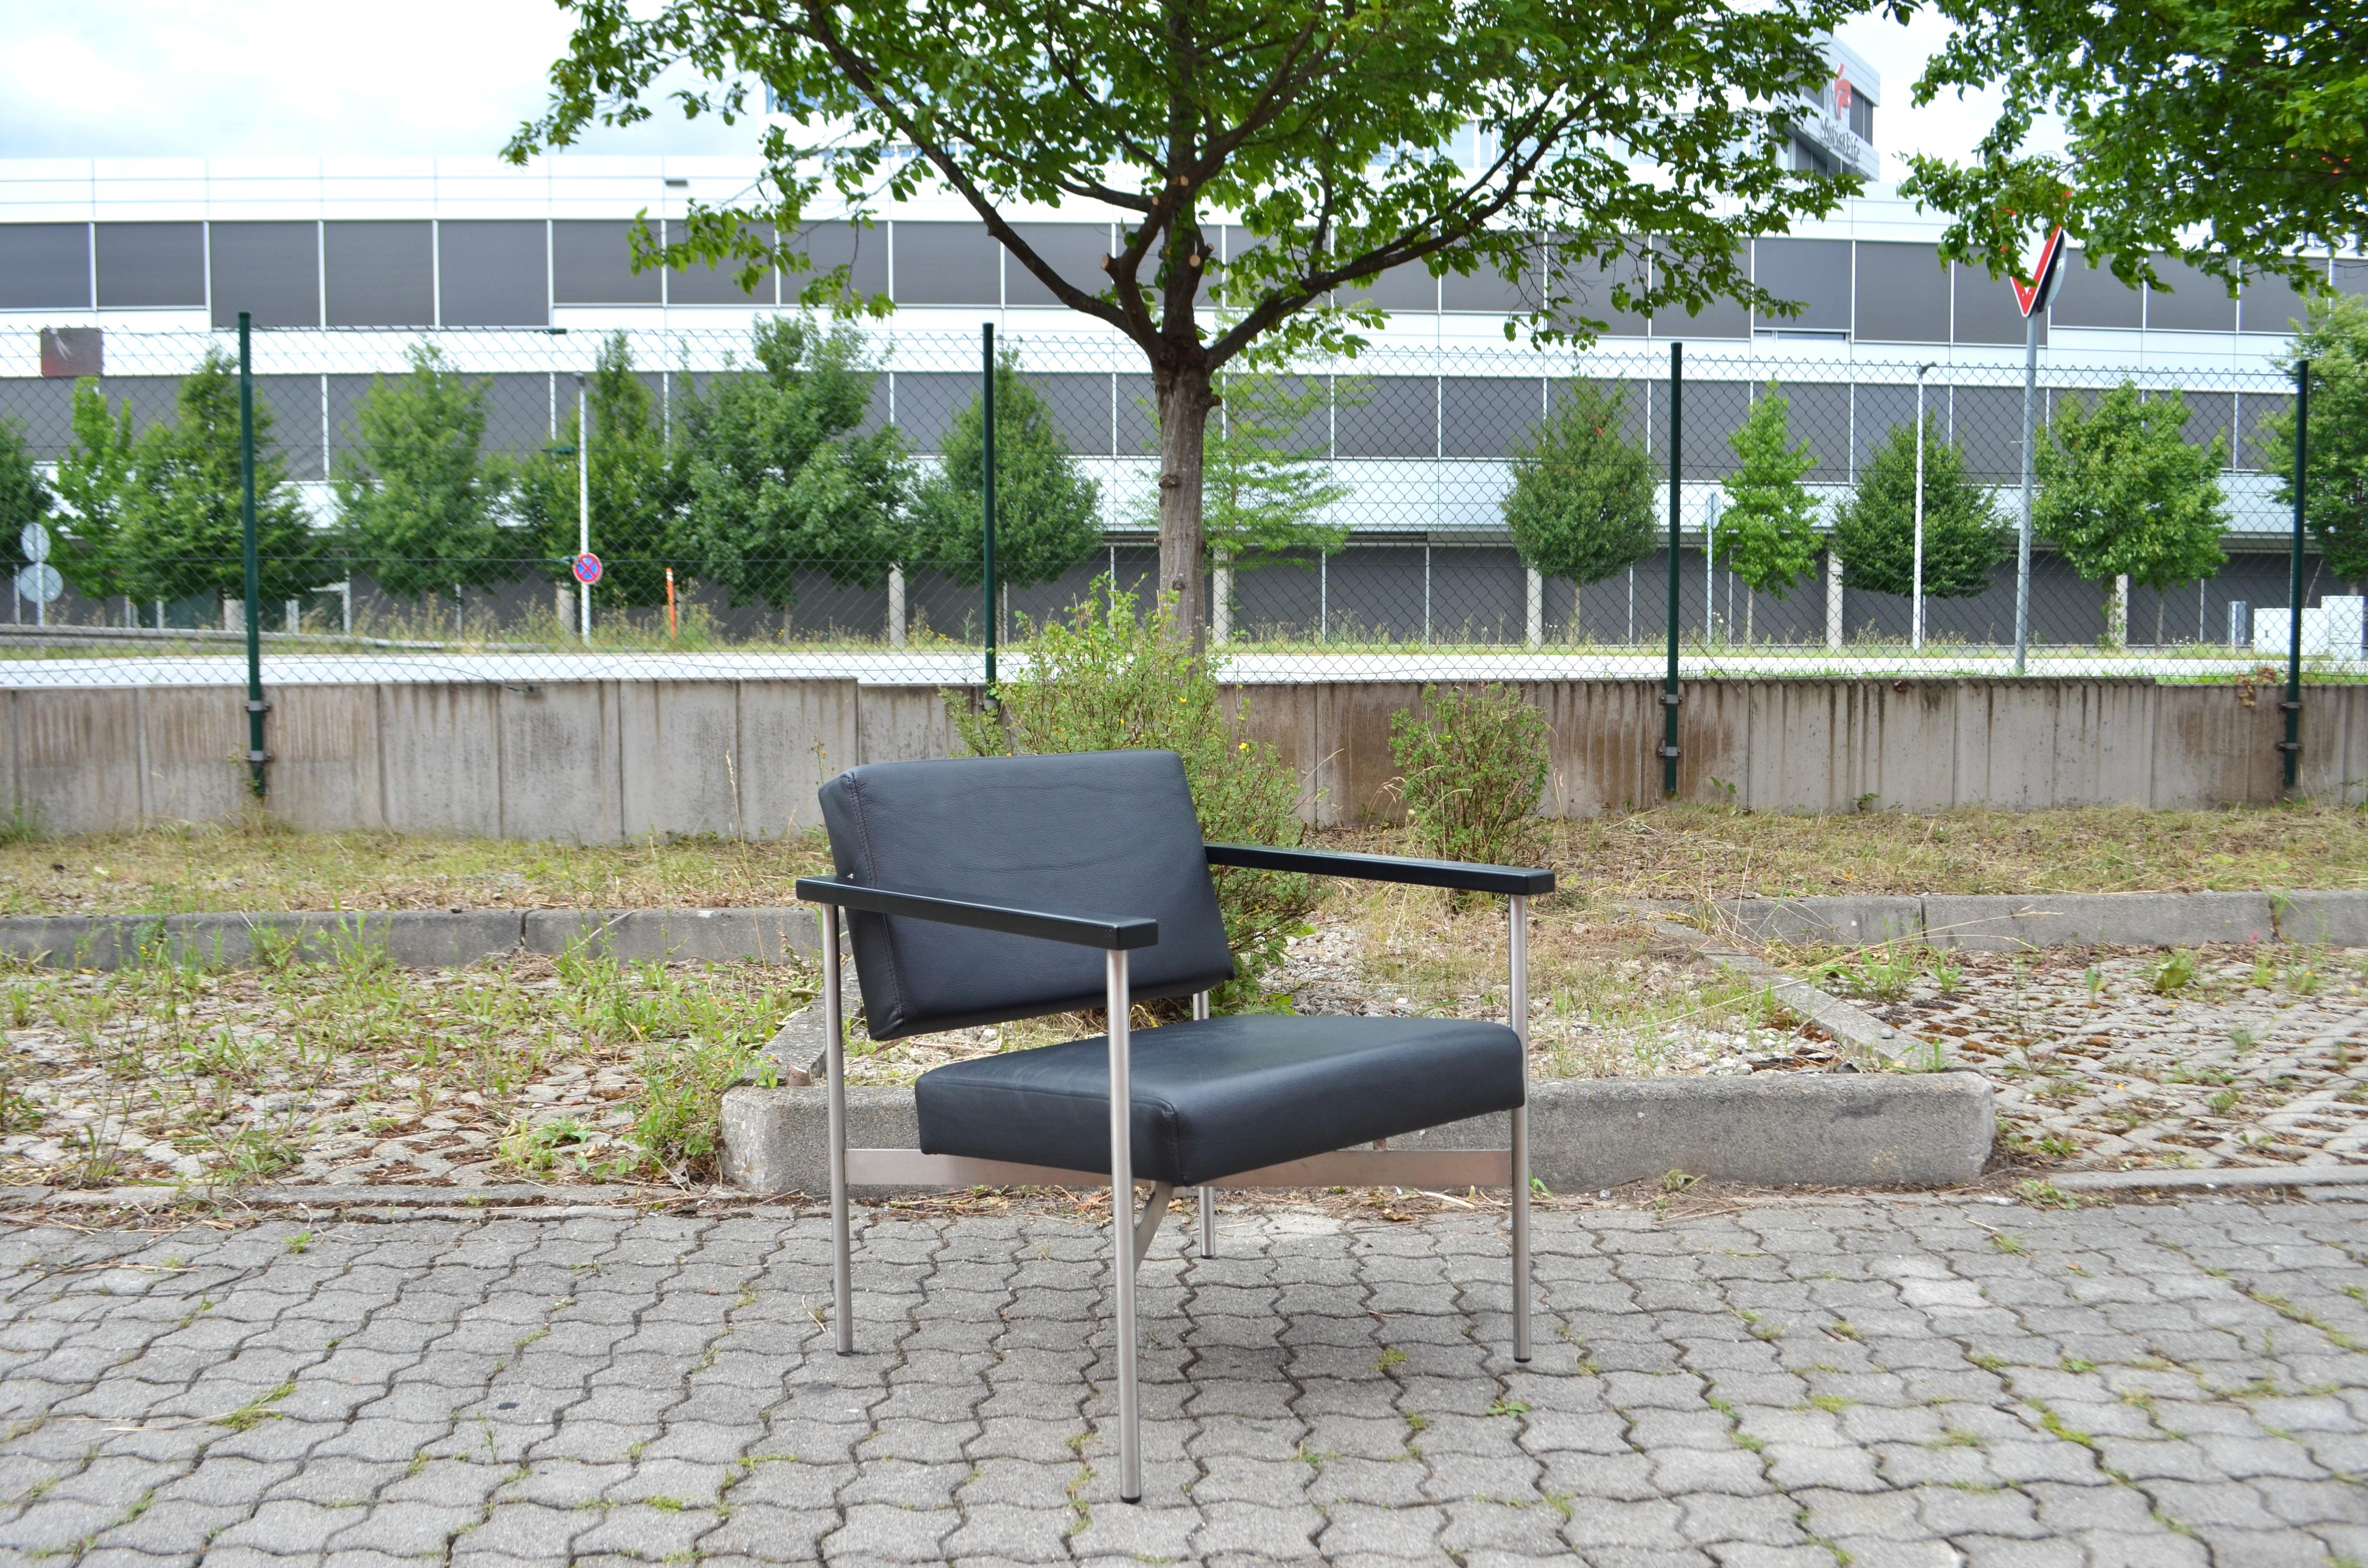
[1849,1025]
[1769,1130]
[508,1196]
[1997,923]
[427,938]
[2196,1181]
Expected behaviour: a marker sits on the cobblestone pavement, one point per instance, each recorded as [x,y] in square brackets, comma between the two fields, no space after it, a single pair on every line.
[1864,1382]
[2118,1058]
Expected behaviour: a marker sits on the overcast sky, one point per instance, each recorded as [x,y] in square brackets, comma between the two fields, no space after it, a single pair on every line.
[136,78]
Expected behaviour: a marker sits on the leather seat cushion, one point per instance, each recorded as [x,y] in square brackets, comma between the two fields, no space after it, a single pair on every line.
[1217,1097]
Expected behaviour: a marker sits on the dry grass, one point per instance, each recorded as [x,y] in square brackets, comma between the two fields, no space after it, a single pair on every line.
[1698,852]
[254,863]
[1672,852]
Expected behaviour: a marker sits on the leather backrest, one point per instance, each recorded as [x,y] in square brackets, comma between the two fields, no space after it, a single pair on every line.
[1108,833]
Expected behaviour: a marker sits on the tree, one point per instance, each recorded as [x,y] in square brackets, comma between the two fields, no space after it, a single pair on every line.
[2123,494]
[94,480]
[2227,131]
[636,488]
[1047,515]
[2335,504]
[1874,532]
[1263,488]
[180,532]
[777,477]
[24,498]
[417,503]
[1581,506]
[1342,137]
[1765,537]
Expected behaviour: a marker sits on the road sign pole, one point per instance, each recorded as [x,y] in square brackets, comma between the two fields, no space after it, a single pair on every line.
[2290,748]
[987,490]
[251,556]
[582,506]
[2022,534]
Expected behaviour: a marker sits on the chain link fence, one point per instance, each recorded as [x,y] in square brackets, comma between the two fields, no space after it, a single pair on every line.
[422,514]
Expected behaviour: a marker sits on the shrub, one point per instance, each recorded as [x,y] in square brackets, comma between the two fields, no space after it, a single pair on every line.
[1109,678]
[1474,769]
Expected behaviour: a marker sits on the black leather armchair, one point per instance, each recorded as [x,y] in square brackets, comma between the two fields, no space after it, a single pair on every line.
[981,890]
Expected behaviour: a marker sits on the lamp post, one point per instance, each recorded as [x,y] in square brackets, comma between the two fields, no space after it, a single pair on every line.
[1915,638]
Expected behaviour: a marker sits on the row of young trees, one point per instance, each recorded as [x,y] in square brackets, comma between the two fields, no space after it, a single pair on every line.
[2122,493]
[766,471]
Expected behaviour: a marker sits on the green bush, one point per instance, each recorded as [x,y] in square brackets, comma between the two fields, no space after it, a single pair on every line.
[1111,679]
[1474,769]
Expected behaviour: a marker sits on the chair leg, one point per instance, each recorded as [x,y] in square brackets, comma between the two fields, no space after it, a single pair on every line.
[1518,1004]
[842,1284]
[1208,1222]
[1122,1253]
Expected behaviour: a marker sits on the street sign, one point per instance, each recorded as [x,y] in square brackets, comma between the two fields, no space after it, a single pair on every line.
[587,568]
[2050,252]
[41,582]
[34,541]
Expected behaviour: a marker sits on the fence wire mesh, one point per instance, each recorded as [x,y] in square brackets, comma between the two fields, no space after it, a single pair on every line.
[811,510]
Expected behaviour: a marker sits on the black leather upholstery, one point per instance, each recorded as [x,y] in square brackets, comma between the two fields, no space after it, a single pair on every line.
[1218,1098]
[1094,832]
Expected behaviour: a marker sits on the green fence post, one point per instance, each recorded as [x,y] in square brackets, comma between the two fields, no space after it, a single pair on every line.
[2290,748]
[255,707]
[986,490]
[1669,694]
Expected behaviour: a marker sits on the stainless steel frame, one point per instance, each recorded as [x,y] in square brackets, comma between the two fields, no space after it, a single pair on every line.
[1132,1233]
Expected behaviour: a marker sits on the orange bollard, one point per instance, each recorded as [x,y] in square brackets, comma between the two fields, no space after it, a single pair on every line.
[669,604]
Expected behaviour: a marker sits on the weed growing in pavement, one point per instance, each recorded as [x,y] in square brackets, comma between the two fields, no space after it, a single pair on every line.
[2173,974]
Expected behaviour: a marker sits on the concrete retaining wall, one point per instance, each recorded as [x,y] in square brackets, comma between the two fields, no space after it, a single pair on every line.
[2013,922]
[596,761]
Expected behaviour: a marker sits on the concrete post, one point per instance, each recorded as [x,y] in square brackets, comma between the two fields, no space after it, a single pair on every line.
[895,606]
[1534,600]
[1833,601]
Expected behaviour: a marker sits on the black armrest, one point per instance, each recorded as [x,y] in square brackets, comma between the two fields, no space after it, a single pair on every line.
[1461,875]
[1078,930]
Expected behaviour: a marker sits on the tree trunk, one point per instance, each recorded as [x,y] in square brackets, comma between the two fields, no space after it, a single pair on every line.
[1184,402]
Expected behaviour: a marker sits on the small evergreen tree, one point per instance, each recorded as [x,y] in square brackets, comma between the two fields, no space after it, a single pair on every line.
[1262,490]
[2124,493]
[1875,531]
[2335,505]
[1046,513]
[777,478]
[417,502]
[181,533]
[1581,506]
[1765,537]
[636,489]
[94,480]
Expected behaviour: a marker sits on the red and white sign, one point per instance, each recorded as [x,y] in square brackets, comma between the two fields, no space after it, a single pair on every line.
[2041,268]
[587,569]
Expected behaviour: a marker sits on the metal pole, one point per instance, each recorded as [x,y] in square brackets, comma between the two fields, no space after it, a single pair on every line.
[583,505]
[986,490]
[2291,747]
[1669,694]
[1915,638]
[1208,1193]
[1518,932]
[2030,423]
[251,556]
